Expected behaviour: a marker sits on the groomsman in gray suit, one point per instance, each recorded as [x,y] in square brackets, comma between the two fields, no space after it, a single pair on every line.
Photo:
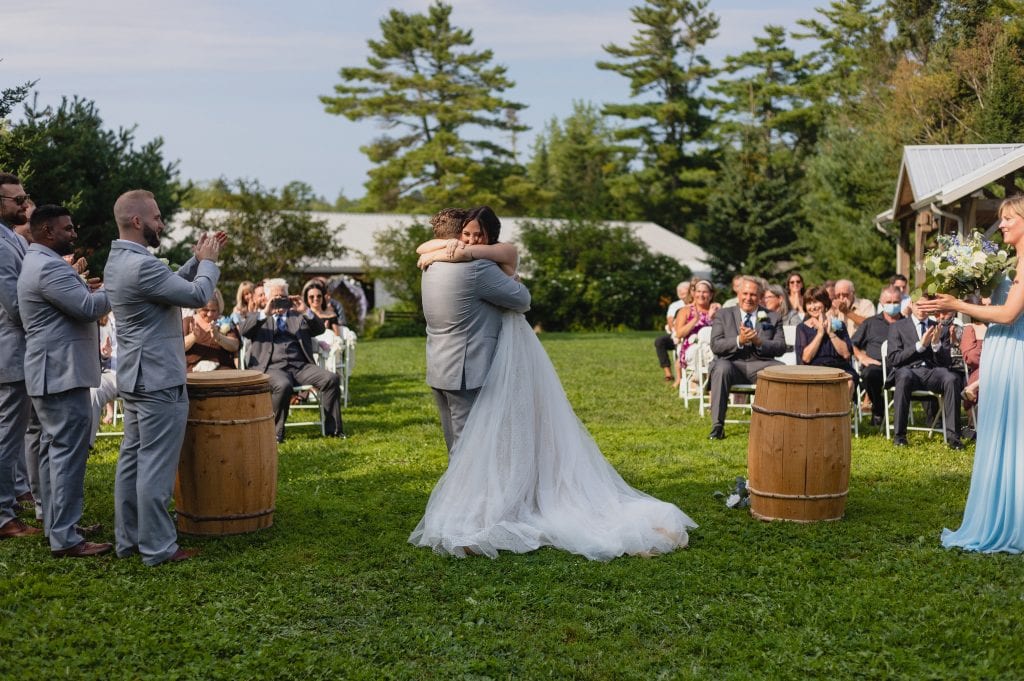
[14,401]
[59,311]
[463,302]
[147,298]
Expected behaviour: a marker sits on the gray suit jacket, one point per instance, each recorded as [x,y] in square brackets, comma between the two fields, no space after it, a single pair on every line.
[62,341]
[12,336]
[147,298]
[726,327]
[463,303]
[261,333]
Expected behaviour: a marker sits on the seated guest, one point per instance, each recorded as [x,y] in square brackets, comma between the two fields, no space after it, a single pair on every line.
[795,293]
[848,307]
[775,300]
[899,282]
[736,281]
[821,339]
[243,302]
[282,347]
[867,348]
[970,348]
[744,339]
[208,344]
[102,397]
[314,295]
[919,359]
[665,344]
[690,319]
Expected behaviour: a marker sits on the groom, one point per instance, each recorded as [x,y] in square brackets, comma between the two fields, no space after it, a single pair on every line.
[462,303]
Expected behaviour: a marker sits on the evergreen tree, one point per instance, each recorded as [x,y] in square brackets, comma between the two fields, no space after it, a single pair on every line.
[422,80]
[576,163]
[671,128]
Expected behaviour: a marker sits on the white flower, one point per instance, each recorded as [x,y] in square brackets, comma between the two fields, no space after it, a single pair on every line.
[165,261]
[762,315]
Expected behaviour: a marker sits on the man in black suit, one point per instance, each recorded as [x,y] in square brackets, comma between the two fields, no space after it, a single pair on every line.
[283,348]
[918,358]
[744,338]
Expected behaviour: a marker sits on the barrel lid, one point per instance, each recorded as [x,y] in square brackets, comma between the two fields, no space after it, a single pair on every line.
[803,373]
[225,377]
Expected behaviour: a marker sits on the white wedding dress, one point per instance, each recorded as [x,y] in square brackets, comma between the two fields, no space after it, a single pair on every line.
[525,473]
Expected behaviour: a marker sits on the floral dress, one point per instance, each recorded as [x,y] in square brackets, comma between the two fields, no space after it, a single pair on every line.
[703,319]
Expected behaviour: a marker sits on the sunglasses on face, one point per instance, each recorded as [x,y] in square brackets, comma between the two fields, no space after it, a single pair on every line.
[18,200]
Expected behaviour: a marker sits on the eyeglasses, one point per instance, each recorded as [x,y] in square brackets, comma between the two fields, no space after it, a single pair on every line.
[19,200]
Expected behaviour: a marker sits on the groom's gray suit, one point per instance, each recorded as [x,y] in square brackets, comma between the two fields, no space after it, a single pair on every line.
[62,363]
[147,299]
[462,303]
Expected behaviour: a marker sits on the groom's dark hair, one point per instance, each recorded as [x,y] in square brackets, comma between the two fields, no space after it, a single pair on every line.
[488,222]
[447,223]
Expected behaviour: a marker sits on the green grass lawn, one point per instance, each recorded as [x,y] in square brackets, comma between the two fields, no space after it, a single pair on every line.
[334,590]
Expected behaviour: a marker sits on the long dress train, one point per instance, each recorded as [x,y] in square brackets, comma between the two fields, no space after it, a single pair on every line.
[994,515]
[525,473]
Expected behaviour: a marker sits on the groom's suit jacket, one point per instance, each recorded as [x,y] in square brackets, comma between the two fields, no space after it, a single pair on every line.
[463,303]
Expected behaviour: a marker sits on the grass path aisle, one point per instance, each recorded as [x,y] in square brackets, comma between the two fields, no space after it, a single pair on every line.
[333,590]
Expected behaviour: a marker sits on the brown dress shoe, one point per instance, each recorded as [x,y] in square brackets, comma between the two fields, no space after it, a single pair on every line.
[16,528]
[180,555]
[83,550]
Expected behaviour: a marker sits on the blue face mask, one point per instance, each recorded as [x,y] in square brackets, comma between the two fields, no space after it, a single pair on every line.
[891,309]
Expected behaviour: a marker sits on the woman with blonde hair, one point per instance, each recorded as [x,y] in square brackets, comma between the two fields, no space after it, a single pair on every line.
[994,515]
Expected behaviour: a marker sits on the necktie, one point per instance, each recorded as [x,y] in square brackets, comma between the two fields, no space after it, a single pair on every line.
[746,321]
[281,326]
[924,328]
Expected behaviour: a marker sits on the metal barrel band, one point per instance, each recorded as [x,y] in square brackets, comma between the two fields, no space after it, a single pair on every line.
[235,516]
[799,415]
[199,392]
[776,495]
[228,422]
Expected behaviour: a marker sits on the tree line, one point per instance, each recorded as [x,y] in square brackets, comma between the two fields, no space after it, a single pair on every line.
[778,159]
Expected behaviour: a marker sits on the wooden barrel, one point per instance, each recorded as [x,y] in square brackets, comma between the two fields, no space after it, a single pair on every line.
[798,457]
[227,475]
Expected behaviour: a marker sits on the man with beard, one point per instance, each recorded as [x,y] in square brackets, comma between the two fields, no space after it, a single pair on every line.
[14,401]
[59,312]
[146,297]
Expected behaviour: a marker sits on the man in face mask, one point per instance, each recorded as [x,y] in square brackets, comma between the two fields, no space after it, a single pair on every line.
[867,348]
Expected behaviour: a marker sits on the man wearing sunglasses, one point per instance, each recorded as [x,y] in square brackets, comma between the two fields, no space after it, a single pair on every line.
[14,401]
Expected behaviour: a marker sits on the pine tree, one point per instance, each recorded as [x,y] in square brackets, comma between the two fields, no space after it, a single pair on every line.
[671,128]
[422,80]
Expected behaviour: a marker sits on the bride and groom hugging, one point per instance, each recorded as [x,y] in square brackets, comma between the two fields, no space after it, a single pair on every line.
[523,471]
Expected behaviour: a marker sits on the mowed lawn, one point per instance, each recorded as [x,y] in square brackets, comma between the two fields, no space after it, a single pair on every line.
[333,589]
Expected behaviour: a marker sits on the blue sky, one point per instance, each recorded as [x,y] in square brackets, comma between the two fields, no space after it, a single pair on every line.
[232,85]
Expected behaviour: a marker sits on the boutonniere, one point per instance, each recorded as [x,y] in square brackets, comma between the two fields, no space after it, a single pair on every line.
[165,261]
[762,316]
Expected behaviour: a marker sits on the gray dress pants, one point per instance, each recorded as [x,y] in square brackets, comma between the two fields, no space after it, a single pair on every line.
[63,451]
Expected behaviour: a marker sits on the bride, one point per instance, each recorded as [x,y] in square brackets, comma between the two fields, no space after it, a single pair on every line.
[525,472]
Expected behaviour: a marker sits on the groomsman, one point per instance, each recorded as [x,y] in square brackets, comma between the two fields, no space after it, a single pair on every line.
[14,401]
[147,298]
[59,311]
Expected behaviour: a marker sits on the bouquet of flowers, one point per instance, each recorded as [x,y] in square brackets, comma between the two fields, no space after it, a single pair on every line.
[962,266]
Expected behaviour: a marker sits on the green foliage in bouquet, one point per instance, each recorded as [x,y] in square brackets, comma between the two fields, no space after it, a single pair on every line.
[960,267]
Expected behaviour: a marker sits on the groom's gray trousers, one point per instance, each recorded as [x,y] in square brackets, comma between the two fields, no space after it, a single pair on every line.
[454,407]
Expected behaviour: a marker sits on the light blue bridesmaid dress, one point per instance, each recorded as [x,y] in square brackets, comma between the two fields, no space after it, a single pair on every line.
[994,515]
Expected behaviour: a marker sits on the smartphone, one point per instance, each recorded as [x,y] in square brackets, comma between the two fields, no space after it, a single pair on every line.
[281,303]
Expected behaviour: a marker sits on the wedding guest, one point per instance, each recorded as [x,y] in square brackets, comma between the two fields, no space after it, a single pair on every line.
[919,359]
[899,282]
[822,340]
[667,343]
[102,397]
[795,293]
[209,344]
[867,348]
[314,294]
[971,344]
[775,300]
[848,307]
[243,302]
[14,400]
[690,319]
[60,310]
[744,339]
[737,281]
[146,296]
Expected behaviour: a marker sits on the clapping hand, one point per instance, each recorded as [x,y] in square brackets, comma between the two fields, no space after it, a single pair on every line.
[209,245]
[929,336]
[107,349]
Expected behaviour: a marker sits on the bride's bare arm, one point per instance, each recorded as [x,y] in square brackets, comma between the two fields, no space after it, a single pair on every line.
[432,245]
[505,254]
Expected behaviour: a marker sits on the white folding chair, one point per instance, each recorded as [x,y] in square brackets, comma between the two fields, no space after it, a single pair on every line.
[915,395]
[789,357]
